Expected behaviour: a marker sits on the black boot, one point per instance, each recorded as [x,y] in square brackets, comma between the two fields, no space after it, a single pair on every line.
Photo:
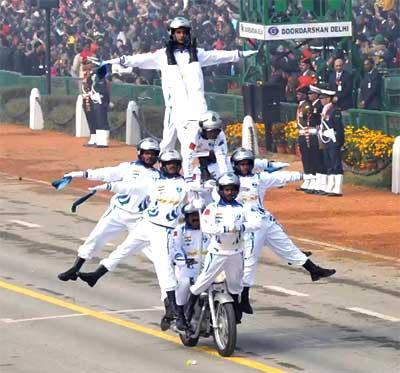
[71,274]
[245,302]
[238,309]
[189,306]
[193,51]
[169,50]
[317,272]
[307,253]
[181,323]
[168,317]
[91,277]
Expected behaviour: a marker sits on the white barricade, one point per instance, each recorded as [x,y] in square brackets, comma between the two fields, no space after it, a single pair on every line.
[133,132]
[35,111]
[396,166]
[249,135]
[81,124]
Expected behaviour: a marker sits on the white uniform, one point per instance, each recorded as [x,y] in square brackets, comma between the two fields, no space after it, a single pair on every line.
[225,223]
[185,246]
[124,210]
[166,198]
[183,87]
[218,146]
[253,188]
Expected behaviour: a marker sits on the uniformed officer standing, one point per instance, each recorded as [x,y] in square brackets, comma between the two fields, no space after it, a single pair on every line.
[88,109]
[100,96]
[314,153]
[331,134]
[303,117]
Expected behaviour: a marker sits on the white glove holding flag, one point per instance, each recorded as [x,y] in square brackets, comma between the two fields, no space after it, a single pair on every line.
[106,186]
[76,174]
[246,54]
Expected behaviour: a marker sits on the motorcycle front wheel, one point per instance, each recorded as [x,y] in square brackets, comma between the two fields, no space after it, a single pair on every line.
[225,333]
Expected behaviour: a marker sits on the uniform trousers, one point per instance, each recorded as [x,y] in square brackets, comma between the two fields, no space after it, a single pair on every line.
[113,221]
[185,275]
[214,264]
[333,159]
[146,233]
[270,234]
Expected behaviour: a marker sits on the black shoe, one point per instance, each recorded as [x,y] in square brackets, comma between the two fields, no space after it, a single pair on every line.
[321,273]
[92,277]
[169,50]
[89,145]
[72,273]
[181,323]
[245,302]
[306,253]
[101,146]
[193,51]
[317,272]
[189,306]
[334,195]
[168,317]
[165,323]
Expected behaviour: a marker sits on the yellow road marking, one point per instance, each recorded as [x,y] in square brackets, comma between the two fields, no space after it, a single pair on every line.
[131,325]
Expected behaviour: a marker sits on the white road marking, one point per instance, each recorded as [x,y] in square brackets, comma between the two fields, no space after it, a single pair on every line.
[13,321]
[374,314]
[107,244]
[348,249]
[285,291]
[25,224]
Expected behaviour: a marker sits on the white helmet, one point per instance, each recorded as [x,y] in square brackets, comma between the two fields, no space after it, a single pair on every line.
[178,22]
[227,179]
[148,144]
[189,208]
[170,155]
[210,120]
[241,154]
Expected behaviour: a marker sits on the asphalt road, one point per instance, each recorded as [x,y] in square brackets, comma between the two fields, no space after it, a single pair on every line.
[349,323]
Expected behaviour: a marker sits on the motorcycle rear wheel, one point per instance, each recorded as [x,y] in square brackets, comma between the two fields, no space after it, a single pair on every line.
[225,333]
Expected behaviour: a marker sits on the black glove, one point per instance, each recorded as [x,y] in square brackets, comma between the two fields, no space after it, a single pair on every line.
[193,50]
[169,50]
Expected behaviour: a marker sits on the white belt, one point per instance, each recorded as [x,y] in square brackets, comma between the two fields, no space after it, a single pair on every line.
[310,131]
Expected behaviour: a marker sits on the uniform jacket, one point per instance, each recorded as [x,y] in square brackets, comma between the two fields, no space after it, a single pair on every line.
[226,223]
[132,172]
[333,119]
[165,198]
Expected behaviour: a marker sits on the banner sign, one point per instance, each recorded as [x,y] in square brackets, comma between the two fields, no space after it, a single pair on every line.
[252,31]
[296,31]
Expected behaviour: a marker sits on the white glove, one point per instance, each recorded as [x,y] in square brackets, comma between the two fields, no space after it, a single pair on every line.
[198,203]
[210,184]
[277,164]
[246,54]
[75,174]
[106,186]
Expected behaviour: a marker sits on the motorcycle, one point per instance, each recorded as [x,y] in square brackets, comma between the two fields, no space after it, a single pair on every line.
[214,314]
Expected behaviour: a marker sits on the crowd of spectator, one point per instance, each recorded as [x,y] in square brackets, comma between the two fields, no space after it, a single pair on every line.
[106,28]
[109,28]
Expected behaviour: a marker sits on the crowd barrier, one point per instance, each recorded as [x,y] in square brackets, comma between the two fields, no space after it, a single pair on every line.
[230,106]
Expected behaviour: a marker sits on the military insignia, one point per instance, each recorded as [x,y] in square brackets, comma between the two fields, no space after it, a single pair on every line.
[178,189]
[192,146]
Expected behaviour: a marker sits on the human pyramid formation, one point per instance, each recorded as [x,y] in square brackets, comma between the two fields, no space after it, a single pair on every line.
[218,198]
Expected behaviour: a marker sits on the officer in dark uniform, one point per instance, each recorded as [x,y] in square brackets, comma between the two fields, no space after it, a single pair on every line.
[303,116]
[88,74]
[96,100]
[100,95]
[315,153]
[332,136]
